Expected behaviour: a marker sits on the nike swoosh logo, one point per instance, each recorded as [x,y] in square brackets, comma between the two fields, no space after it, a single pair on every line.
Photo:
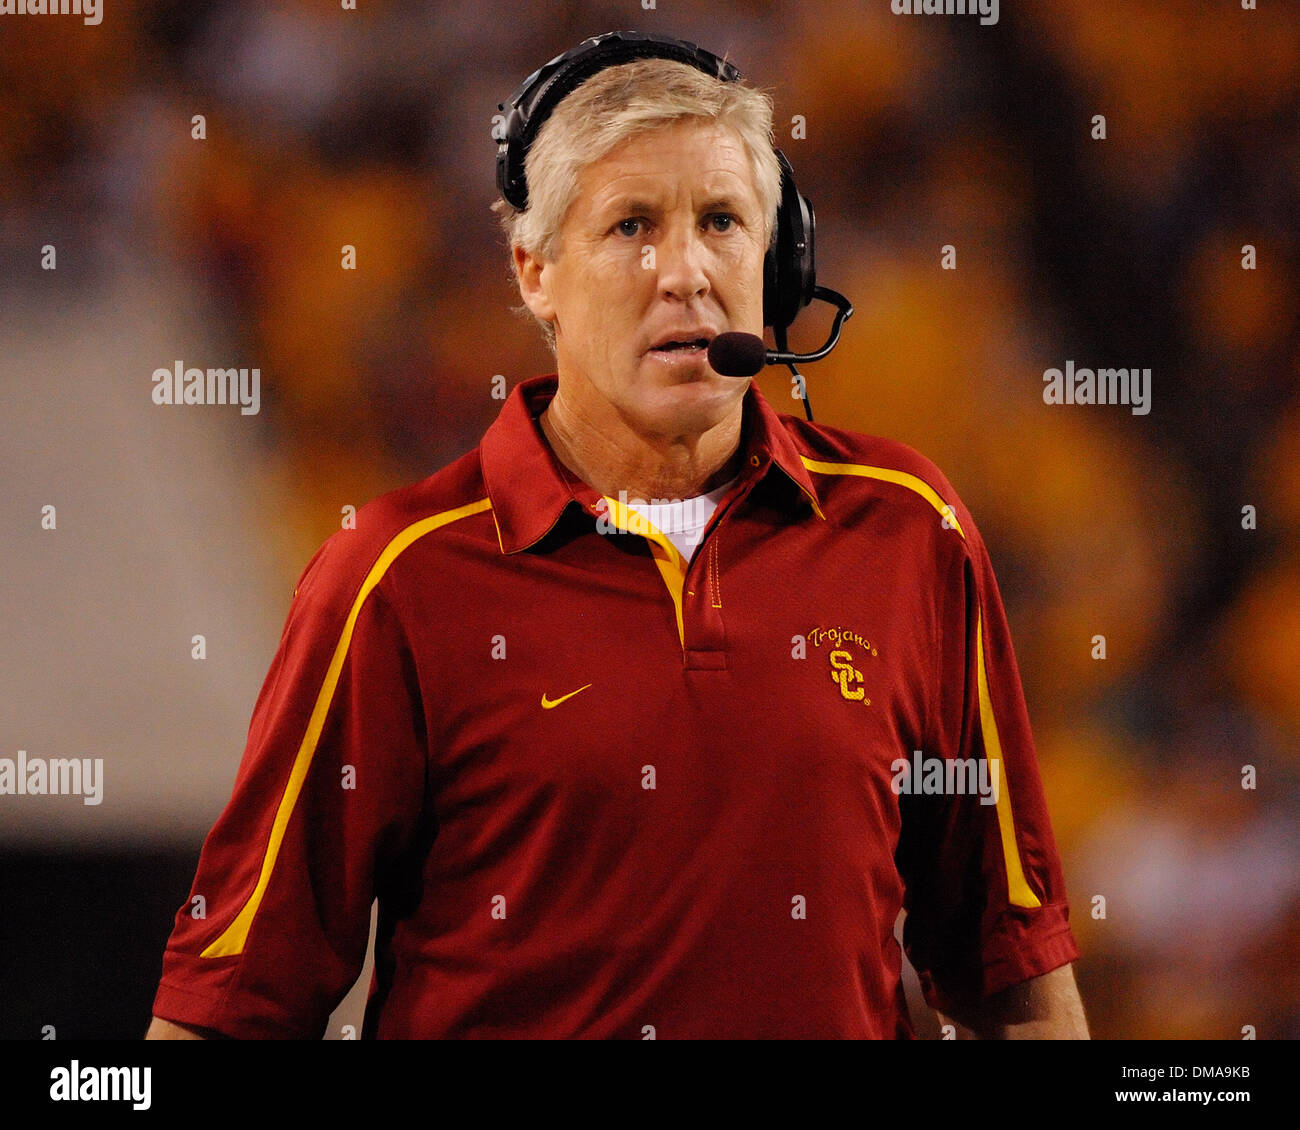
[549,703]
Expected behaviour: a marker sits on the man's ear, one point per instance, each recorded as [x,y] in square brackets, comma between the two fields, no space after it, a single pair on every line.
[530,271]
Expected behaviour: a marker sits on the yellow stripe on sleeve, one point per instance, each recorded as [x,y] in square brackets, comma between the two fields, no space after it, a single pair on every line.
[1018,889]
[232,939]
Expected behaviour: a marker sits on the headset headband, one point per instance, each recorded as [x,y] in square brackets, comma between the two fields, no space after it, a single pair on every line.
[550,84]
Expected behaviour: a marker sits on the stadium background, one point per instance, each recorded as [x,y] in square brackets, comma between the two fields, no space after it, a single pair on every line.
[327,127]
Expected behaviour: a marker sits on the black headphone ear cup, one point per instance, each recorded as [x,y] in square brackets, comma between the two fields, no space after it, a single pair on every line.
[789,275]
[771,284]
[805,253]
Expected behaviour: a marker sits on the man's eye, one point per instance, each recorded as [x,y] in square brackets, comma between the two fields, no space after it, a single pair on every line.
[622,226]
[727,220]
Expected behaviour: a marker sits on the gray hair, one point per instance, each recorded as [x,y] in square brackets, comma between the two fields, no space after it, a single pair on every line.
[611,107]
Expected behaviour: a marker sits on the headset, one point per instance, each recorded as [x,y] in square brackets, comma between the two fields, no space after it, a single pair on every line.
[789,268]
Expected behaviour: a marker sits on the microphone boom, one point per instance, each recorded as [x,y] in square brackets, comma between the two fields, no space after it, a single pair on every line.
[743,355]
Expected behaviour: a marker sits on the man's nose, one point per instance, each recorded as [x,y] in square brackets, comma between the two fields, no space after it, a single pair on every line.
[680,259]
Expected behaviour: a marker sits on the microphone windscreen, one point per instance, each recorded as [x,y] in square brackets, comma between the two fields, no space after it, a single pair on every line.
[737,354]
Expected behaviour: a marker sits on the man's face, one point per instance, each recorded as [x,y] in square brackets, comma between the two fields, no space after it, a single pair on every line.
[664,241]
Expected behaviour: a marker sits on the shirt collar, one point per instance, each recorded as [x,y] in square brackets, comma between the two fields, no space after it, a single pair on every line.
[530,489]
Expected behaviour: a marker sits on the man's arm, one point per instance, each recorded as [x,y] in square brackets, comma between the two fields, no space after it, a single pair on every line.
[160,1029]
[289,870]
[1042,1008]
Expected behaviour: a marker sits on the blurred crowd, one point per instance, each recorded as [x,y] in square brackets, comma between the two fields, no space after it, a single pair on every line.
[327,127]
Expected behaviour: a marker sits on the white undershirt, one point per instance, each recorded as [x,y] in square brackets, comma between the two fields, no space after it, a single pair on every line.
[683,522]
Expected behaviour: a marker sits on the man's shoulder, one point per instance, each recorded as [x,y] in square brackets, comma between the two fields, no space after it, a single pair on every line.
[372,538]
[858,465]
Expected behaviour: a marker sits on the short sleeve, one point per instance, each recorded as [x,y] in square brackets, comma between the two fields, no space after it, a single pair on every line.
[984,890]
[329,793]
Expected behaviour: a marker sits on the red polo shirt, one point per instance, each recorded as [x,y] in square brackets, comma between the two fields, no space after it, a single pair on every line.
[601,792]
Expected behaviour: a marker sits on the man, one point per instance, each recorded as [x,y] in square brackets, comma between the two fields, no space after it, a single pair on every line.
[613,780]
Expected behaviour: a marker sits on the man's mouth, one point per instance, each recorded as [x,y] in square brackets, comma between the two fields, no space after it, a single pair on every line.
[692,347]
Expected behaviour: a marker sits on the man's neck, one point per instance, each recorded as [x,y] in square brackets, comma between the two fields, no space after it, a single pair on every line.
[613,459]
